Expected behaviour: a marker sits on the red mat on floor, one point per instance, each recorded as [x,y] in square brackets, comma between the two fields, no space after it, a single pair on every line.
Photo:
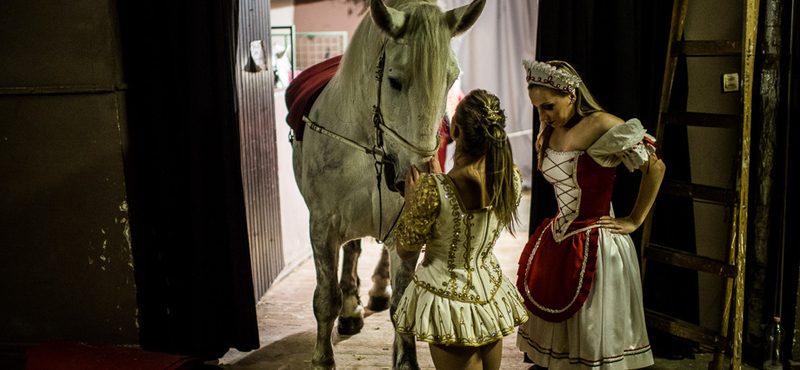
[70,355]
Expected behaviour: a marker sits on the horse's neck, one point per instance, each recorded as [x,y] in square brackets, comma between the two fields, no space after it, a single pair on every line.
[345,105]
[349,117]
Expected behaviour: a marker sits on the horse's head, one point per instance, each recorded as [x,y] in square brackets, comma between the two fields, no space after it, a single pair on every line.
[420,67]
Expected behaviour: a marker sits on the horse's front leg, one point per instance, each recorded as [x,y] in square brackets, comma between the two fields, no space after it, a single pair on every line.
[327,294]
[381,291]
[351,319]
[404,354]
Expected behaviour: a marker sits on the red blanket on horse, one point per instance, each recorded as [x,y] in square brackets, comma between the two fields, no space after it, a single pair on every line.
[304,90]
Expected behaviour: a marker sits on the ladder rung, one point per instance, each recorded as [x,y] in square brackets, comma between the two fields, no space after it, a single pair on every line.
[702,119]
[674,257]
[707,48]
[710,194]
[686,330]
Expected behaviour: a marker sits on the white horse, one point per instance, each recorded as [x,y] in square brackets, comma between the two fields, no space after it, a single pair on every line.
[350,166]
[282,66]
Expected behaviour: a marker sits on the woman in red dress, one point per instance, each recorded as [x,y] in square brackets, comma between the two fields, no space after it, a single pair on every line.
[579,272]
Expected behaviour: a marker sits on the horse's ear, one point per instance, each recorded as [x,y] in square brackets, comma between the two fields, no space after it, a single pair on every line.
[461,19]
[390,20]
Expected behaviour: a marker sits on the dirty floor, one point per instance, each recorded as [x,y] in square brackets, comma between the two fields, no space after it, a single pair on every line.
[287,326]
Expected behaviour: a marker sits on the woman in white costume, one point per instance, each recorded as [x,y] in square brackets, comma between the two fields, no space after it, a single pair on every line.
[461,302]
[579,272]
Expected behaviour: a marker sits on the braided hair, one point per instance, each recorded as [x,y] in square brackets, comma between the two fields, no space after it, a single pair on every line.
[482,124]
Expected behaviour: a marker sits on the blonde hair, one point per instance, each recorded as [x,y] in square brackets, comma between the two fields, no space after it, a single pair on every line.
[585,104]
[482,123]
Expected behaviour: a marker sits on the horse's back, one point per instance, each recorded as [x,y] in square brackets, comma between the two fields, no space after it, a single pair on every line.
[304,91]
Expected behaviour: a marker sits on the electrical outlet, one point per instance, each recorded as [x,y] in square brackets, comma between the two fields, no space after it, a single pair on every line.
[730,82]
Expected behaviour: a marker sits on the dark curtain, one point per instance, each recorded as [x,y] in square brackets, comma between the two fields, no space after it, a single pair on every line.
[619,48]
[784,282]
[188,221]
[791,108]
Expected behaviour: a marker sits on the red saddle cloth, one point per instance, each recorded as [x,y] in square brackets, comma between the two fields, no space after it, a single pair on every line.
[304,90]
[554,276]
[72,355]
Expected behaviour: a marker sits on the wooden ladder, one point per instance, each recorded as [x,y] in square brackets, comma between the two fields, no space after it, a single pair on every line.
[728,341]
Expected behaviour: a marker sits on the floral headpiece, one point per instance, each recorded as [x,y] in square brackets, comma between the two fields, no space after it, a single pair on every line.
[540,73]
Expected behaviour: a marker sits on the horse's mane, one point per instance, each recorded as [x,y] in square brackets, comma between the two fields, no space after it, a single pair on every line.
[426,34]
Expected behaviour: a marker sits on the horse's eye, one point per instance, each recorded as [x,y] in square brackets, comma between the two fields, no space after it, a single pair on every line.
[395,84]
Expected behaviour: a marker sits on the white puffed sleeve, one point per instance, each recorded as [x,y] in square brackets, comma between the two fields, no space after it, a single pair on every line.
[627,143]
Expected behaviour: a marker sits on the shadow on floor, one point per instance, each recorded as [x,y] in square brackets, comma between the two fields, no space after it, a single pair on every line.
[291,352]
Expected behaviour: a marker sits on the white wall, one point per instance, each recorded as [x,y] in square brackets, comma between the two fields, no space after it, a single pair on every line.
[490,55]
[712,151]
[281,12]
[294,213]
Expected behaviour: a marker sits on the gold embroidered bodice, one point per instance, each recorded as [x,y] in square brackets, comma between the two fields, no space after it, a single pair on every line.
[459,262]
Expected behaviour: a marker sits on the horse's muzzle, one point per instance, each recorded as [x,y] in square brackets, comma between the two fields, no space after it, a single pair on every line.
[393,183]
[401,188]
[390,176]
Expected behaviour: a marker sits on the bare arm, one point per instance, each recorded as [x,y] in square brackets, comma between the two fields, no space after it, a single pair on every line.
[652,175]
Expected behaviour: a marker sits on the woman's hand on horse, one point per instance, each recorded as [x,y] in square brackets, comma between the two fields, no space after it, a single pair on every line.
[412,175]
[434,166]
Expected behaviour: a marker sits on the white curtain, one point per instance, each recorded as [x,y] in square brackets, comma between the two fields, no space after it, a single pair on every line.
[490,55]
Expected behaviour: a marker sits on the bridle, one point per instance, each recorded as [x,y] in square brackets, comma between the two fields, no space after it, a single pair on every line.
[377,150]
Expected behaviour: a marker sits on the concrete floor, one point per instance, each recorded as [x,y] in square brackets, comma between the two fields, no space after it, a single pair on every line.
[287,326]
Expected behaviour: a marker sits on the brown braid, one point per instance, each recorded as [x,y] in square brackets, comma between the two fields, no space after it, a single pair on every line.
[482,123]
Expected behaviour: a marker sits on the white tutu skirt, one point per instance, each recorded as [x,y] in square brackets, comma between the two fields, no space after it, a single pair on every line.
[439,320]
[608,332]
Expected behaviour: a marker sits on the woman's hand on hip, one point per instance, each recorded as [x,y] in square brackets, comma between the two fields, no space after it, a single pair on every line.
[624,225]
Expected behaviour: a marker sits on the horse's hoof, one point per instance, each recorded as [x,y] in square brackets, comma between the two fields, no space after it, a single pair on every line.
[327,364]
[350,325]
[407,367]
[378,304]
